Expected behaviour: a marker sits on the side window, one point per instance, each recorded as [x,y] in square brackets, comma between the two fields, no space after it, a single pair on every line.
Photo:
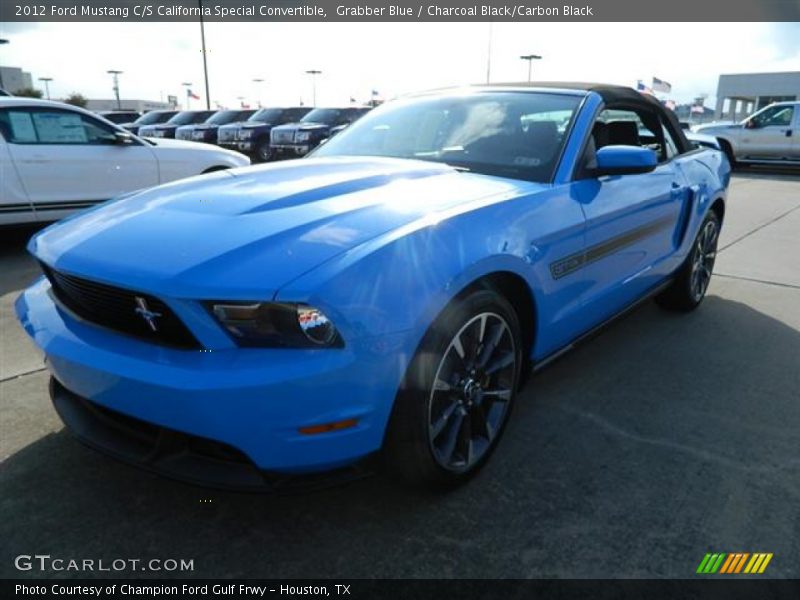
[632,127]
[670,147]
[779,116]
[53,127]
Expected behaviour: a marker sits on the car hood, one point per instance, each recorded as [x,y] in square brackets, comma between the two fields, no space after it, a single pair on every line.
[243,234]
[303,126]
[254,124]
[158,144]
[716,127]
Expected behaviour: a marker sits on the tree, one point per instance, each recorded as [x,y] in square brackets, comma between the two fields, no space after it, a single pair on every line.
[76,99]
[28,92]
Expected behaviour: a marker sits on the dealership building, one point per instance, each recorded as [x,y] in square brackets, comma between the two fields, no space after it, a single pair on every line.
[14,78]
[741,94]
[124,104]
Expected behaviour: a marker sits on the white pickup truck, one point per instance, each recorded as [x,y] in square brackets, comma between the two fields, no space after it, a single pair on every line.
[769,136]
[56,159]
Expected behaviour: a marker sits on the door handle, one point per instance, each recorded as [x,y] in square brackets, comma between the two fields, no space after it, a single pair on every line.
[788,133]
[676,185]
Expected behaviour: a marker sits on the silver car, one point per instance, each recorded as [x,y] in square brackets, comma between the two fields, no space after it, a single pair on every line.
[769,136]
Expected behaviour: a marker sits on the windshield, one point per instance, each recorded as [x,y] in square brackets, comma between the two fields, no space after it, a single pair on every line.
[187,117]
[267,115]
[223,116]
[507,134]
[322,115]
[153,117]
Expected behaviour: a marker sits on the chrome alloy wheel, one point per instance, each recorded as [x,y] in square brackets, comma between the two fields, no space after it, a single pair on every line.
[471,393]
[705,253]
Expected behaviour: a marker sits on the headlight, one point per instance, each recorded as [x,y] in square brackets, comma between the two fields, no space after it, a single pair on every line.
[274,324]
[303,136]
[245,134]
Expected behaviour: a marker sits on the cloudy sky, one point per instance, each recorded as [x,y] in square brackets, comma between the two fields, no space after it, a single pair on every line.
[392,58]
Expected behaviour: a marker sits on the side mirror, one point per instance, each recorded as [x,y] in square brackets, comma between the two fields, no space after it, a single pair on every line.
[751,124]
[624,160]
[122,137]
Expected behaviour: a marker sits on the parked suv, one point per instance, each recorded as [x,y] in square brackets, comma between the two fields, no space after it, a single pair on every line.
[207,130]
[298,139]
[771,135]
[167,130]
[154,117]
[252,136]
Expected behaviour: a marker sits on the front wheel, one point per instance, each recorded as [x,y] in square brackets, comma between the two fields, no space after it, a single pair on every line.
[691,283]
[263,151]
[458,392]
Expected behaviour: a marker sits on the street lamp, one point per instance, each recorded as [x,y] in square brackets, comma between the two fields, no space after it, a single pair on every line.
[314,73]
[2,41]
[47,81]
[258,83]
[205,62]
[530,58]
[115,75]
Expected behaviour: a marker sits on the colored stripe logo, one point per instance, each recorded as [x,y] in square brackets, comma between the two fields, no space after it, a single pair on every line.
[734,563]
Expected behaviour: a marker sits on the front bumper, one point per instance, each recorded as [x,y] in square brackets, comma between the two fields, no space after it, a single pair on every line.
[179,455]
[291,149]
[252,400]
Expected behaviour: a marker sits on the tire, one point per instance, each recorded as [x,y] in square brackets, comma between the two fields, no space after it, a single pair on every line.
[263,151]
[691,283]
[441,435]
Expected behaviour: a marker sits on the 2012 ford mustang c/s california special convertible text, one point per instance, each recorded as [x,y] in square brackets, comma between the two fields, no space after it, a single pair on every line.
[390,292]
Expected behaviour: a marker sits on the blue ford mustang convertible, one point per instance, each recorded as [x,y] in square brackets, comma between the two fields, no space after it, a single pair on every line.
[389,293]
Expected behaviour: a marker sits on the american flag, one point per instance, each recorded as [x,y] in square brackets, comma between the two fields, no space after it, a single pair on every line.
[659,85]
[191,94]
[641,87]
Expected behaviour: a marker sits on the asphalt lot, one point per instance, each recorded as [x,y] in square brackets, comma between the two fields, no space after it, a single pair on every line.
[664,438]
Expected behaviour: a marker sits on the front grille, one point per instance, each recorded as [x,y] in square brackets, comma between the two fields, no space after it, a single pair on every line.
[283,137]
[116,308]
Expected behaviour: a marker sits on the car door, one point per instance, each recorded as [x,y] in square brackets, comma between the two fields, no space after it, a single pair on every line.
[768,133]
[631,220]
[794,136]
[15,207]
[68,160]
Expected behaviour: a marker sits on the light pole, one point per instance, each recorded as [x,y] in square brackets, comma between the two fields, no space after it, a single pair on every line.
[258,83]
[47,81]
[314,73]
[530,58]
[115,75]
[2,41]
[187,86]
[205,62]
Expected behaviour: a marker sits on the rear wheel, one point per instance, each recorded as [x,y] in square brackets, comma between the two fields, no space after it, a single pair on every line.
[458,393]
[690,286]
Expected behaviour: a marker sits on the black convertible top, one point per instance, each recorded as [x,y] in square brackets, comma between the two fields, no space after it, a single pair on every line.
[613,95]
